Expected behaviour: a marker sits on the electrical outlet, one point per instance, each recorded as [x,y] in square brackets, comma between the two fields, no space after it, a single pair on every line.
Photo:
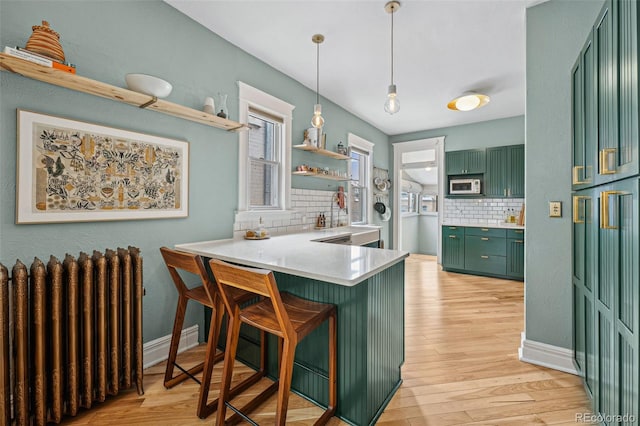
[555,208]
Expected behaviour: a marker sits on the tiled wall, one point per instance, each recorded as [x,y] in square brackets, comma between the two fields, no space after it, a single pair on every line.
[306,204]
[477,210]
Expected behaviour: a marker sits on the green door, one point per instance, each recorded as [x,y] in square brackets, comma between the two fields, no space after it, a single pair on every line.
[495,184]
[453,247]
[515,171]
[607,90]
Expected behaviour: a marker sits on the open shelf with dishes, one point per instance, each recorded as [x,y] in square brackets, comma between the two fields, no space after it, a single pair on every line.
[320,151]
[97,88]
[321,175]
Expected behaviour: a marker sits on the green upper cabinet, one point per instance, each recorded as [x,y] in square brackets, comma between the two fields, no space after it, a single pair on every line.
[465,162]
[505,172]
[584,119]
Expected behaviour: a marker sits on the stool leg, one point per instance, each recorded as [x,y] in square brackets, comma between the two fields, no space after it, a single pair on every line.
[210,359]
[175,340]
[333,371]
[233,335]
[286,372]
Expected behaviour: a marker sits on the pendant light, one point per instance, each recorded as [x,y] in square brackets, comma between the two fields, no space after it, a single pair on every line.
[317,121]
[392,105]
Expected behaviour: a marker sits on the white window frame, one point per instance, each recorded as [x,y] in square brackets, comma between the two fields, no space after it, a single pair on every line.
[364,145]
[250,97]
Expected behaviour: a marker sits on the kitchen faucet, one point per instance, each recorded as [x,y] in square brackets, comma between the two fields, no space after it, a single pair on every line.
[335,200]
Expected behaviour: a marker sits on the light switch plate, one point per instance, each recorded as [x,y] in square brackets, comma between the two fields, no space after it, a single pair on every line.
[555,208]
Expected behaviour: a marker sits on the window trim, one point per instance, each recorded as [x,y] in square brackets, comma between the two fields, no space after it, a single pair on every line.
[256,99]
[356,141]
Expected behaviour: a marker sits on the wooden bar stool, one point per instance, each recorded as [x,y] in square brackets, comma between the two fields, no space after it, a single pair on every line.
[282,314]
[208,295]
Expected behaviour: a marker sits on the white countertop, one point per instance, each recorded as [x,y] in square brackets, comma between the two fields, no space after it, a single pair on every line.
[453,222]
[298,254]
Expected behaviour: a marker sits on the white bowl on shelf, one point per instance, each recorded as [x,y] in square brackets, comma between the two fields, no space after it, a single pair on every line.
[148,84]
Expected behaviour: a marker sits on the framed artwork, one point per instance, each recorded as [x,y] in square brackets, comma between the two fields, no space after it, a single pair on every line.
[72,171]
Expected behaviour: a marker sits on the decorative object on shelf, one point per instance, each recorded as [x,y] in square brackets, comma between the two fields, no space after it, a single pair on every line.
[392,104]
[39,59]
[468,101]
[317,121]
[311,137]
[223,112]
[82,84]
[72,171]
[341,149]
[148,84]
[209,106]
[45,41]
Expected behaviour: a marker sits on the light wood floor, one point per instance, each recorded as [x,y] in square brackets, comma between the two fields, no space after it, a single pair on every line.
[461,368]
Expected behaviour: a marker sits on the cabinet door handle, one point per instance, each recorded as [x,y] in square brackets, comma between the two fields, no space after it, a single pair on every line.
[577,217]
[505,192]
[484,239]
[509,192]
[519,242]
[605,155]
[453,236]
[484,229]
[604,209]
[484,257]
[519,231]
[452,227]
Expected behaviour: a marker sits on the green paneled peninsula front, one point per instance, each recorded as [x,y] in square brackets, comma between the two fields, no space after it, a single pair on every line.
[367,286]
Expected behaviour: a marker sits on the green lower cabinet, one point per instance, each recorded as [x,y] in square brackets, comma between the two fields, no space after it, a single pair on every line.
[453,247]
[495,252]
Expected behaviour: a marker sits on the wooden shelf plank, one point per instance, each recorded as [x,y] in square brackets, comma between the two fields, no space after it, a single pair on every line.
[321,151]
[119,94]
[322,176]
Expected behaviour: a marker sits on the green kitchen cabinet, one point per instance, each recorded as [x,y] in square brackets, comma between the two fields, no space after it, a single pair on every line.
[465,162]
[483,251]
[584,117]
[515,253]
[453,247]
[504,175]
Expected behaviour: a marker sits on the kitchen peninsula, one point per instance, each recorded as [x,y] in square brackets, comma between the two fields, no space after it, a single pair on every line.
[367,286]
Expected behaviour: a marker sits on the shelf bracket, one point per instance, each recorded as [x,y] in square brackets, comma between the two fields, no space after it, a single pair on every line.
[151,102]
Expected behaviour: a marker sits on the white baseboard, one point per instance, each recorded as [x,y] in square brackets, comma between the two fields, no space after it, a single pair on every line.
[157,350]
[546,355]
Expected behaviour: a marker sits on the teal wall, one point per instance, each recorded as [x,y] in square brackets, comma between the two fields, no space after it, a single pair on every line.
[106,40]
[504,131]
[556,31]
[411,234]
[428,235]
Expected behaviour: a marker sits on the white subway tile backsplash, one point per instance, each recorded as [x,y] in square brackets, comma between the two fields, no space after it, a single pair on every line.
[480,210]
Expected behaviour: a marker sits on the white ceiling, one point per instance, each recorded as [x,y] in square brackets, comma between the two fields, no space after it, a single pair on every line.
[442,49]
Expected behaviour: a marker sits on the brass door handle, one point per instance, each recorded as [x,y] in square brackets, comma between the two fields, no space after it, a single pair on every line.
[604,209]
[452,227]
[519,241]
[484,239]
[519,231]
[452,236]
[484,257]
[577,218]
[484,229]
[576,176]
[605,155]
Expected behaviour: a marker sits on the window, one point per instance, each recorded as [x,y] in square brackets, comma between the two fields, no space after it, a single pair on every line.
[265,171]
[361,152]
[264,155]
[408,202]
[428,203]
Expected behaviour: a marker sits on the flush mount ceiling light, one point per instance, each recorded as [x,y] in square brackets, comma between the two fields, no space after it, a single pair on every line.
[392,105]
[468,101]
[317,121]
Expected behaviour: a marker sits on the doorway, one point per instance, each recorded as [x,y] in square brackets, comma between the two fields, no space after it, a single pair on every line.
[418,192]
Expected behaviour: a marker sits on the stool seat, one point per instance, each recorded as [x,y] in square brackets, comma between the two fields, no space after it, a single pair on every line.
[284,315]
[305,315]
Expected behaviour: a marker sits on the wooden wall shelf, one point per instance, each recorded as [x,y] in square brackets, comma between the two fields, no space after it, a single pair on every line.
[104,90]
[321,176]
[321,151]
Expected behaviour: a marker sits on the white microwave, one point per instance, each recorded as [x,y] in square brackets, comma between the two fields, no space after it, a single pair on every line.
[464,186]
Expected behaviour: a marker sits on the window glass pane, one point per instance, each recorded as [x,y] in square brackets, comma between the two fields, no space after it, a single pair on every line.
[263,138]
[359,182]
[429,203]
[263,184]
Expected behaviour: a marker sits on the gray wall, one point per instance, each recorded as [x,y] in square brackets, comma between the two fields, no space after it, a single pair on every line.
[106,40]
[556,31]
[411,234]
[501,132]
[428,235]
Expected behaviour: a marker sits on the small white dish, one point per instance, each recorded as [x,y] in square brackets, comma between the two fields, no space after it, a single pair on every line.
[148,85]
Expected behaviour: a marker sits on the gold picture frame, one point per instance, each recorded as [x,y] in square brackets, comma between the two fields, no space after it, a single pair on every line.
[74,171]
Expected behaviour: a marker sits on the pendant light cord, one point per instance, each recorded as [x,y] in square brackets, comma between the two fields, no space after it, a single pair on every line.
[317,73]
[392,12]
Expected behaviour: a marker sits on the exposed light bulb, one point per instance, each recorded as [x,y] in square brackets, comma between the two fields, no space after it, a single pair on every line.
[467,103]
[392,104]
[317,121]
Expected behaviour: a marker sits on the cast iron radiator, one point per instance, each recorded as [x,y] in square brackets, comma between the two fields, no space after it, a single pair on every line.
[70,334]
